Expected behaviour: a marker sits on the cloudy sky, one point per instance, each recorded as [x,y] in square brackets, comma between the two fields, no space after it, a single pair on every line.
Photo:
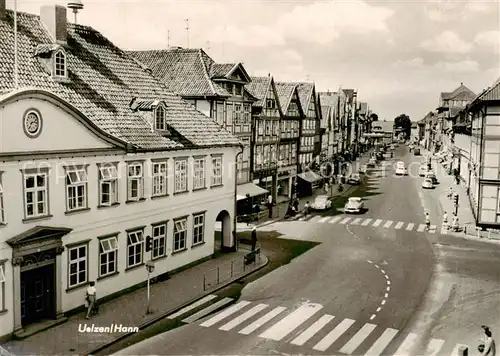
[399,54]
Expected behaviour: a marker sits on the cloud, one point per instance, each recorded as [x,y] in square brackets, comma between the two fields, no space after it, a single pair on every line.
[252,36]
[446,10]
[488,40]
[411,63]
[466,66]
[446,42]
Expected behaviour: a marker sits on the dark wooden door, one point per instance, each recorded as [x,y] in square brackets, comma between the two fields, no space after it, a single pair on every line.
[37,294]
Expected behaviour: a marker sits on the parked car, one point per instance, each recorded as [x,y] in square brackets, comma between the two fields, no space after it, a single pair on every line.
[354,179]
[431,176]
[428,183]
[393,147]
[422,171]
[321,203]
[400,164]
[362,169]
[354,205]
[401,171]
[372,162]
[416,151]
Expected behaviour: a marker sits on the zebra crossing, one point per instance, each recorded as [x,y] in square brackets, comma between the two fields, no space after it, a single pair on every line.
[370,222]
[305,325]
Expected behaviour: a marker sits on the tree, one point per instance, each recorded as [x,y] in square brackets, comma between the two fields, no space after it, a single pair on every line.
[403,122]
[374,117]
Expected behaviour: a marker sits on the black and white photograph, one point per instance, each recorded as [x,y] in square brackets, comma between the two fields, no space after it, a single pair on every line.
[249,177]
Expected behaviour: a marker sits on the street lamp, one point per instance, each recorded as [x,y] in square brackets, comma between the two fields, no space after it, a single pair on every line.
[150,267]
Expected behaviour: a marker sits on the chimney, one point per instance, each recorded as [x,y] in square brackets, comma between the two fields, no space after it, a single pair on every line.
[3,12]
[54,19]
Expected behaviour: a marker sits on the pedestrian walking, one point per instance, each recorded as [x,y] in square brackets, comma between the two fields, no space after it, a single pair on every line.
[445,220]
[454,223]
[427,221]
[254,238]
[306,208]
[270,206]
[450,193]
[488,347]
[91,299]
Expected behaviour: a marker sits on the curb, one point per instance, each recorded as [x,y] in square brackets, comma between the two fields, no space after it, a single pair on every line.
[174,310]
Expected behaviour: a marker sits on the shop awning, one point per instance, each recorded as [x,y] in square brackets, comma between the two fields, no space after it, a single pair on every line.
[310,176]
[246,190]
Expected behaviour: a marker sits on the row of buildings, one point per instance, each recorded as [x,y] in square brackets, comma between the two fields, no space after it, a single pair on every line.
[464,130]
[101,148]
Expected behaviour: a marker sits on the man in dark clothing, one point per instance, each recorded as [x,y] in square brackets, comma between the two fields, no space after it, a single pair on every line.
[254,238]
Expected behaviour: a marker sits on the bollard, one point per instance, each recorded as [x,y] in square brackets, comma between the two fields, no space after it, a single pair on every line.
[463,351]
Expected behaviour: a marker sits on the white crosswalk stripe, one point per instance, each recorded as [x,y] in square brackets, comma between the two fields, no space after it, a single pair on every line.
[399,225]
[289,324]
[356,221]
[432,229]
[457,349]
[323,220]
[343,222]
[421,228]
[410,226]
[335,219]
[444,230]
[377,223]
[366,222]
[388,224]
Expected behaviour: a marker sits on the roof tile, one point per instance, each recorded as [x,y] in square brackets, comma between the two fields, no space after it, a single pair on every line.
[285,94]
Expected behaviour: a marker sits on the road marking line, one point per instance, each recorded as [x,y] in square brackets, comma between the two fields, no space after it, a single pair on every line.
[335,219]
[378,309]
[333,335]
[434,347]
[312,330]
[388,224]
[382,271]
[388,289]
[208,310]
[246,315]
[315,218]
[407,345]
[343,222]
[388,282]
[366,222]
[383,302]
[192,306]
[373,317]
[457,348]
[377,266]
[432,229]
[399,225]
[261,321]
[322,220]
[225,313]
[386,276]
[357,339]
[382,342]
[410,226]
[377,222]
[369,261]
[421,228]
[292,321]
[356,221]
[386,295]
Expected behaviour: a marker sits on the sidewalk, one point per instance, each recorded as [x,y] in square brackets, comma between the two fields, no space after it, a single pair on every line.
[465,216]
[129,310]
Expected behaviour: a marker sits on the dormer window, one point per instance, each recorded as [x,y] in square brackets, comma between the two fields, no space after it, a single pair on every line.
[60,65]
[160,118]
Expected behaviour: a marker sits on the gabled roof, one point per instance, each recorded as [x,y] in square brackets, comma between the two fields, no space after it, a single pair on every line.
[285,93]
[259,87]
[489,94]
[306,92]
[454,111]
[224,71]
[325,111]
[329,98]
[349,94]
[102,82]
[460,93]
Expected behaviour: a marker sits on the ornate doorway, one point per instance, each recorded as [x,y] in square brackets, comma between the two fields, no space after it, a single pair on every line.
[38,287]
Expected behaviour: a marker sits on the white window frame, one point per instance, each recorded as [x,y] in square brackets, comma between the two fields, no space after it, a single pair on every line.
[198,228]
[216,171]
[77,262]
[108,176]
[159,241]
[199,179]
[135,244]
[160,122]
[2,209]
[159,179]
[35,190]
[76,178]
[180,175]
[180,235]
[60,66]
[108,247]
[135,173]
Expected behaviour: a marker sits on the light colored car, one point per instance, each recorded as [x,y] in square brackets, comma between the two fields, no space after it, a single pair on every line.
[393,147]
[427,183]
[400,164]
[422,171]
[401,171]
[354,179]
[322,203]
[372,162]
[431,176]
[354,205]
